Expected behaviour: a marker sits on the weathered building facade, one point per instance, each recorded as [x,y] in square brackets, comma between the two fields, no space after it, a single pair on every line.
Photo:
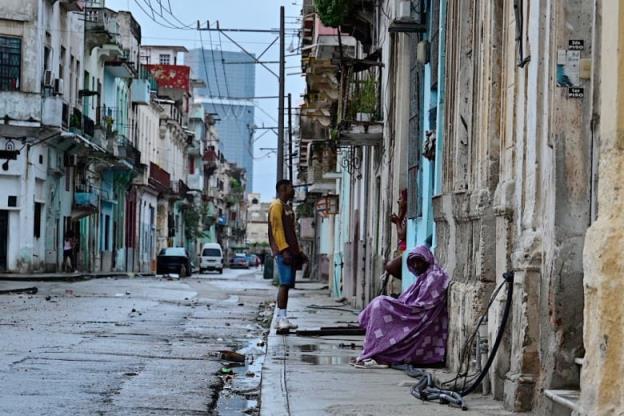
[493,115]
[96,147]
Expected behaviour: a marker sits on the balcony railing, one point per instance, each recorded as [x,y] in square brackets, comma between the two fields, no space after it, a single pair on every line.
[359,109]
[73,5]
[159,178]
[101,27]
[127,151]
[85,197]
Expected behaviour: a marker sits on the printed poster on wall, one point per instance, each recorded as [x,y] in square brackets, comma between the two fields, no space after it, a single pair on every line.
[568,69]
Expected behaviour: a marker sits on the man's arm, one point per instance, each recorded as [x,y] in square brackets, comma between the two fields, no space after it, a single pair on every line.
[277,227]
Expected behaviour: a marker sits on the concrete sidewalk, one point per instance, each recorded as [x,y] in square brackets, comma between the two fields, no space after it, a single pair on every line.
[312,376]
[66,277]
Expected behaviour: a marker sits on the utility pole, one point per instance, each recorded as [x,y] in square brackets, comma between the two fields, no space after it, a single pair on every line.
[290,138]
[282,82]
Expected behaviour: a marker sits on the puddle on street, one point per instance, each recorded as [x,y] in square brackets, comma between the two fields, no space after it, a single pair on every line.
[325,359]
[321,347]
[241,393]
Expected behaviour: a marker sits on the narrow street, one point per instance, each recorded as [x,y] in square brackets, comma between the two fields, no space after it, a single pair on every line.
[132,346]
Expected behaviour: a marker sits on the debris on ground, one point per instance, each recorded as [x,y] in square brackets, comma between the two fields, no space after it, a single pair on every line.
[232,356]
[28,290]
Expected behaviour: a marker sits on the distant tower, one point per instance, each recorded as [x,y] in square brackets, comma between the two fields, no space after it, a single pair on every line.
[227,93]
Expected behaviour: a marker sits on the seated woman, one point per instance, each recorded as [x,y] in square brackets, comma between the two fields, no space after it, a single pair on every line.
[413,328]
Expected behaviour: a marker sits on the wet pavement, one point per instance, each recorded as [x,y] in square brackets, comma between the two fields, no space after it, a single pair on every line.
[134,346]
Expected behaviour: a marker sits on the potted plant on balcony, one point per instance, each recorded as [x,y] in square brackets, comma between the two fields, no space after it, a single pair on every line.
[332,12]
[364,101]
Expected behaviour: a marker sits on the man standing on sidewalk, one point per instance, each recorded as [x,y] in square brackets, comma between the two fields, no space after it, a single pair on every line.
[285,247]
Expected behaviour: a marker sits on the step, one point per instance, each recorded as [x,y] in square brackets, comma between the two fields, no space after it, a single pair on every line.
[566,398]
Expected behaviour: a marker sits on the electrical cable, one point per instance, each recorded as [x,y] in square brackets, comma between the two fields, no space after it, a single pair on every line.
[427,390]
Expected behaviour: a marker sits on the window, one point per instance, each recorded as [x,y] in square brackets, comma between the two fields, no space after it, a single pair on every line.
[62,63]
[107,219]
[12,202]
[37,220]
[10,63]
[165,59]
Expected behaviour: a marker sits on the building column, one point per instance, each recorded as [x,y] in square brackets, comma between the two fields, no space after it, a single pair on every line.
[525,365]
[602,392]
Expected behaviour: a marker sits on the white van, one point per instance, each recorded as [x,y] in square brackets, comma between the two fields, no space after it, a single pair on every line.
[211,258]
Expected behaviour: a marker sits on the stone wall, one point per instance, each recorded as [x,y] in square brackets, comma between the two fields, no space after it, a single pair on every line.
[517,165]
[601,386]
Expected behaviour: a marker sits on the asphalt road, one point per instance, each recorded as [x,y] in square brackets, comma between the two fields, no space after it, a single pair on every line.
[144,346]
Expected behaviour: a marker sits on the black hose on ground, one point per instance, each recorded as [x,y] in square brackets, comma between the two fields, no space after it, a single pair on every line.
[427,390]
[509,277]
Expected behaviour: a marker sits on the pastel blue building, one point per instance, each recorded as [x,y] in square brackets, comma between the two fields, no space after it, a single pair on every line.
[426,147]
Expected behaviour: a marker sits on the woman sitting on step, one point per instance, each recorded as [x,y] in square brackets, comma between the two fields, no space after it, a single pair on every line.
[413,328]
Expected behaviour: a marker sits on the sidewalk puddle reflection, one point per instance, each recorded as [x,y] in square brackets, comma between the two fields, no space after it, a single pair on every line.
[325,359]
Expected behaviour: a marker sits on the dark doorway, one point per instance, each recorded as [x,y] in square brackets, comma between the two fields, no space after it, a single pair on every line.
[4,231]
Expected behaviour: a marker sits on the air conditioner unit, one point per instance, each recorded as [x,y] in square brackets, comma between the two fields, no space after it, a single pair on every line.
[48,81]
[58,86]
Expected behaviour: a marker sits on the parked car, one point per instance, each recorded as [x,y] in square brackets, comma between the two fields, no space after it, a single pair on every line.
[211,258]
[174,260]
[239,261]
[254,261]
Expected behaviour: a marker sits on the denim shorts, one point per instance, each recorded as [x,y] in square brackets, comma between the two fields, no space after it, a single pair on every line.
[286,272]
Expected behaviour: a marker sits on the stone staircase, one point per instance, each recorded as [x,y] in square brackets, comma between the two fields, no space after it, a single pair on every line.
[565,402]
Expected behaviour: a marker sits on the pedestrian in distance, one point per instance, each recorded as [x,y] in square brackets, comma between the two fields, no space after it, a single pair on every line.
[68,253]
[285,248]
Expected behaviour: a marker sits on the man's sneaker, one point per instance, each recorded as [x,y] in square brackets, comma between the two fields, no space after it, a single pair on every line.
[276,323]
[285,324]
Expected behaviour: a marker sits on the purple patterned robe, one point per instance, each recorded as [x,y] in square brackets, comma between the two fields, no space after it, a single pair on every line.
[413,328]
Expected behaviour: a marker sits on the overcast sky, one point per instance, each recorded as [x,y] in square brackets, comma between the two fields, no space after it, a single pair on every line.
[250,14]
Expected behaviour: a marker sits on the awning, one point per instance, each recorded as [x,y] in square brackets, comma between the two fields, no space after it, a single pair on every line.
[67,140]
[82,212]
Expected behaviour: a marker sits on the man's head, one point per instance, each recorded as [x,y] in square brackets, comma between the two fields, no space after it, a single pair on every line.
[285,190]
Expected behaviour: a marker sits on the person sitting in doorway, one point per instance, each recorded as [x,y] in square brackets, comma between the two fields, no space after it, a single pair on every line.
[413,328]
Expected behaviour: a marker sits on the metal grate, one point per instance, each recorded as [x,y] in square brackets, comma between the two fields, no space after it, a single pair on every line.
[10,63]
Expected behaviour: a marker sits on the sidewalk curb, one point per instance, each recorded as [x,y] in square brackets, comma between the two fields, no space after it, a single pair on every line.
[74,277]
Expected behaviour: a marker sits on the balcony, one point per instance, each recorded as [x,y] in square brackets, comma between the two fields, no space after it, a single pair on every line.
[127,153]
[159,178]
[119,67]
[72,5]
[359,115]
[195,182]
[85,199]
[101,28]
[140,91]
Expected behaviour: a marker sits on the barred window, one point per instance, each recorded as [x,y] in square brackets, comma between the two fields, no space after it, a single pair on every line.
[10,63]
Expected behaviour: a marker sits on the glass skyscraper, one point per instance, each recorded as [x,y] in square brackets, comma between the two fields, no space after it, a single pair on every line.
[230,79]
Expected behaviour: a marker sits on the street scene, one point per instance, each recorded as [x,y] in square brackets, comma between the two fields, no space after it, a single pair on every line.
[311,207]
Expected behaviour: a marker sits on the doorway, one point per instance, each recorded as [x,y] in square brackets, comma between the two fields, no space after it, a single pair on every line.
[4,231]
